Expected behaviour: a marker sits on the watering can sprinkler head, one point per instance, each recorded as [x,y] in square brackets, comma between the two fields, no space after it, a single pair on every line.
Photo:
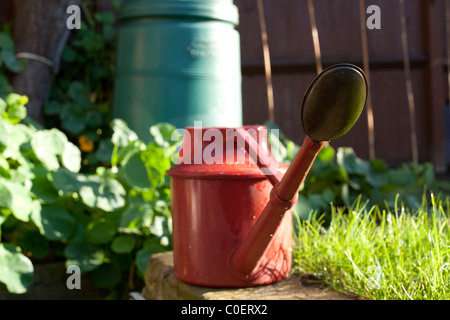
[331,106]
[333,102]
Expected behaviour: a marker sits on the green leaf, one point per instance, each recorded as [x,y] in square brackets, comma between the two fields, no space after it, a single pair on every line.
[5,86]
[347,158]
[162,134]
[105,17]
[65,180]
[68,54]
[48,145]
[80,95]
[122,135]
[52,107]
[34,243]
[44,189]
[71,157]
[377,175]
[137,217]
[73,120]
[6,41]
[12,63]
[16,270]
[123,244]
[88,257]
[136,173]
[100,231]
[156,163]
[107,276]
[143,257]
[16,198]
[103,193]
[104,151]
[57,223]
[3,106]
[326,154]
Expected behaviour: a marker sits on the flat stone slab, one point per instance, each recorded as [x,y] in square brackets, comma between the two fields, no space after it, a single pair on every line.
[161,284]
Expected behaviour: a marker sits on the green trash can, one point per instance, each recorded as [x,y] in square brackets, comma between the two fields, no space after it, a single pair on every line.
[178,61]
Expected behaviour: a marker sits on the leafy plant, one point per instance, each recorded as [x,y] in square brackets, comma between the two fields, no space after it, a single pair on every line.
[81,98]
[339,176]
[108,222]
[8,61]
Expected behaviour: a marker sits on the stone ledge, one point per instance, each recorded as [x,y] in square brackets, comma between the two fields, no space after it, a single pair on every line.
[161,284]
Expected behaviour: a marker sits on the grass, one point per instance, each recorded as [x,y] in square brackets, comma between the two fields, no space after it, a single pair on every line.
[379,254]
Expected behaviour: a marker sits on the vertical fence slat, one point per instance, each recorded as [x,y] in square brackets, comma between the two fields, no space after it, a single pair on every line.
[409,88]
[366,67]
[435,83]
[267,67]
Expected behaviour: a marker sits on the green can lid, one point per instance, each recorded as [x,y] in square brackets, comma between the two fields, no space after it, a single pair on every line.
[222,10]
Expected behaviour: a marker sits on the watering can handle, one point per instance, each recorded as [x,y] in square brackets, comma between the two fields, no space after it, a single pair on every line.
[283,196]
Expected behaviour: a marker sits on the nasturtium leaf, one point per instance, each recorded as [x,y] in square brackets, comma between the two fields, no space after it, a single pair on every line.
[57,223]
[156,163]
[73,119]
[5,129]
[87,256]
[3,106]
[346,157]
[5,86]
[6,41]
[377,174]
[16,270]
[137,217]
[44,190]
[80,94]
[48,145]
[326,154]
[52,107]
[16,198]
[108,275]
[34,243]
[105,17]
[100,231]
[71,157]
[122,135]
[162,134]
[11,62]
[65,180]
[104,151]
[103,193]
[136,173]
[143,256]
[123,244]
[5,195]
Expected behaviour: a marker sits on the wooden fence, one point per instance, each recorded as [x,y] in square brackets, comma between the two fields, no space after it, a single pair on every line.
[293,67]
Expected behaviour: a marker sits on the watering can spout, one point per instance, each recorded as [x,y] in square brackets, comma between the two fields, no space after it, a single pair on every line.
[331,106]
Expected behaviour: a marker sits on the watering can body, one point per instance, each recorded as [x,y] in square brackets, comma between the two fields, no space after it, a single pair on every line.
[215,203]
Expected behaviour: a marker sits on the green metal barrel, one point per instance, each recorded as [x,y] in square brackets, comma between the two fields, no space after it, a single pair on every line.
[178,61]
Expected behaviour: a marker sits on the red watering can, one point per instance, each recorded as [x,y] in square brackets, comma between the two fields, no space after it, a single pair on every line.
[231,201]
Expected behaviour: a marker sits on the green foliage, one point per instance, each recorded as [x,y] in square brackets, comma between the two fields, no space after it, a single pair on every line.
[8,61]
[81,98]
[108,222]
[339,176]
